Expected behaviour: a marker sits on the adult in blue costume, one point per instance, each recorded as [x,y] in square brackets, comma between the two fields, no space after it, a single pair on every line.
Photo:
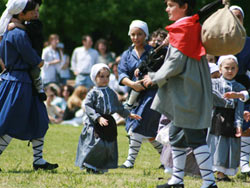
[23,115]
[244,66]
[148,125]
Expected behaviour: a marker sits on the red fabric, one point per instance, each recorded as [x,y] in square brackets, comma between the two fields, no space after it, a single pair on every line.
[185,35]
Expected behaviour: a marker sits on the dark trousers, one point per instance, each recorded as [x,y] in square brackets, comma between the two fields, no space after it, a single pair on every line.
[183,137]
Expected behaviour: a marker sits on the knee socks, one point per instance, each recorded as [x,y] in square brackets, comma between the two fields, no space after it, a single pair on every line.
[4,142]
[134,147]
[158,146]
[245,154]
[204,162]
[37,145]
[179,161]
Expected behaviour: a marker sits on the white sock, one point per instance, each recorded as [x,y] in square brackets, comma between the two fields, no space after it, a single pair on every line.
[179,161]
[157,145]
[204,162]
[245,154]
[37,145]
[4,142]
[134,147]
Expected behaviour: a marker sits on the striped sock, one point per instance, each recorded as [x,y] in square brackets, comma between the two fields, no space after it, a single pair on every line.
[204,162]
[134,147]
[37,145]
[4,142]
[245,154]
[157,145]
[179,161]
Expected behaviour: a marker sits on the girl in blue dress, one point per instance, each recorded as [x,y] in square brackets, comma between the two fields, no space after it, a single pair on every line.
[148,125]
[23,115]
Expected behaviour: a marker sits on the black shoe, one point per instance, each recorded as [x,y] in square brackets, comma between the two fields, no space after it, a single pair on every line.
[42,96]
[213,186]
[126,167]
[46,166]
[92,171]
[166,185]
[247,174]
[161,166]
[225,178]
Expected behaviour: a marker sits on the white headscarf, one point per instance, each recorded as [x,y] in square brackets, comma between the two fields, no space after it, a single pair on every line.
[13,7]
[213,67]
[96,69]
[235,7]
[139,24]
[224,57]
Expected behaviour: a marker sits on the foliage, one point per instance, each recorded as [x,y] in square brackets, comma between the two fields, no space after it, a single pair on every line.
[60,147]
[108,19]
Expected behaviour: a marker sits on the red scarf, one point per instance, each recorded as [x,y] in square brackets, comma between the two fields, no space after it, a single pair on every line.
[185,35]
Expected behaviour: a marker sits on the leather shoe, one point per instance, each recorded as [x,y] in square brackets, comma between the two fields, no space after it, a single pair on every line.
[46,166]
[166,185]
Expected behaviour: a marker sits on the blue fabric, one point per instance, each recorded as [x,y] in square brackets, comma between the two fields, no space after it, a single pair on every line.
[82,80]
[23,115]
[148,125]
[244,58]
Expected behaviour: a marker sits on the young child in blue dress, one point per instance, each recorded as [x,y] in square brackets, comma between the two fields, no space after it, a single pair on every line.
[224,139]
[97,148]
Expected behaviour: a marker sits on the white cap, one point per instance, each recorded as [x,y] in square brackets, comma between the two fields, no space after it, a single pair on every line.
[96,69]
[235,7]
[222,58]
[213,67]
[139,24]
[13,7]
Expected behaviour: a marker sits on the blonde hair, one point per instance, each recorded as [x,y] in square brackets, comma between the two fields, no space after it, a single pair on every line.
[75,100]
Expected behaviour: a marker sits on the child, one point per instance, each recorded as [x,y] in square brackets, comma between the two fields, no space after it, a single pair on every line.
[214,70]
[97,148]
[226,130]
[152,63]
[34,30]
[185,92]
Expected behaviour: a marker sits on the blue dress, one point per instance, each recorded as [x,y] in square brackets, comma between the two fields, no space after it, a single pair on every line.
[148,125]
[23,115]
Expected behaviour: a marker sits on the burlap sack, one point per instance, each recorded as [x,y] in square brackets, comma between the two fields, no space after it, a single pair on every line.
[222,33]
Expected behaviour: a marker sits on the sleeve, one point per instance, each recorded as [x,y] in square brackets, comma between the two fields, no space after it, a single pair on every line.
[90,107]
[73,61]
[239,111]
[174,64]
[123,69]
[45,57]
[246,96]
[120,109]
[24,47]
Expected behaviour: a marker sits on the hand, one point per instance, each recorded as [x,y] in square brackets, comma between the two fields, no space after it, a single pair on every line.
[225,2]
[246,116]
[238,132]
[102,121]
[137,86]
[166,41]
[233,95]
[135,116]
[136,73]
[55,61]
[11,26]
[147,81]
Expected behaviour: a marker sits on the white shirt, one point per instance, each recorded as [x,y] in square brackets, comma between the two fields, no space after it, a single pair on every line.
[82,60]
[114,84]
[49,72]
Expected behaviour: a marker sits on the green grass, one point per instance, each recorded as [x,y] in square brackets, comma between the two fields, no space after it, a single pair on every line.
[60,147]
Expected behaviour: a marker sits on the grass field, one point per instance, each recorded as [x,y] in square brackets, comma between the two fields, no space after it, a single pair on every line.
[60,147]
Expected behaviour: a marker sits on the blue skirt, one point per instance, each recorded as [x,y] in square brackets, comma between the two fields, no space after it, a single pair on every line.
[22,115]
[148,125]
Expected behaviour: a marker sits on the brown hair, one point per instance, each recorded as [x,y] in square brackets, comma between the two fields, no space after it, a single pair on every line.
[191,5]
[75,100]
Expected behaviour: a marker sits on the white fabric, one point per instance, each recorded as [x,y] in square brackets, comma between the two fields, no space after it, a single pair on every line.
[213,67]
[246,96]
[224,57]
[235,7]
[13,7]
[96,69]
[114,84]
[245,154]
[82,60]
[139,24]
